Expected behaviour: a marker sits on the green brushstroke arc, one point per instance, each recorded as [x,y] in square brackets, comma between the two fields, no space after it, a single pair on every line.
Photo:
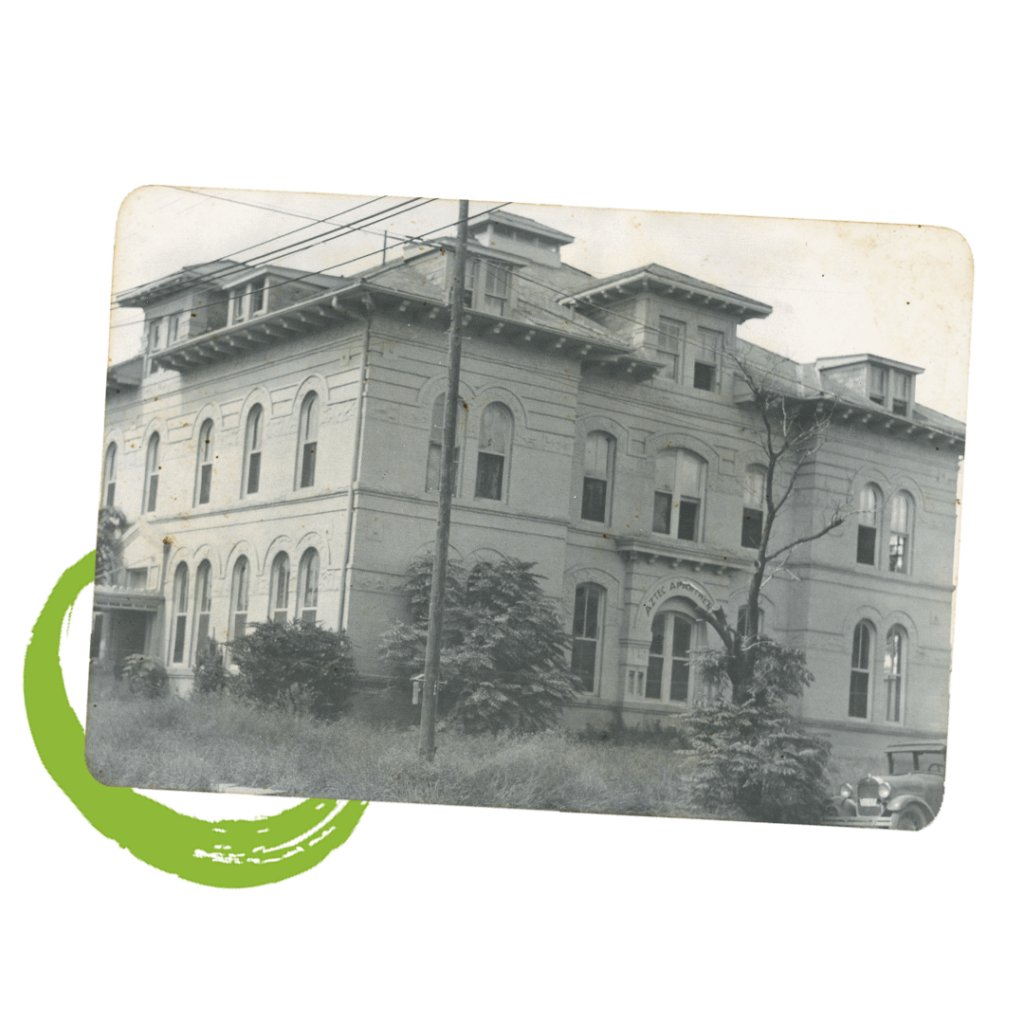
[230,854]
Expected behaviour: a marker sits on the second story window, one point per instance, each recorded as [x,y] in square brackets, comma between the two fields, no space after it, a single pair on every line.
[900,518]
[309,425]
[679,481]
[436,440]
[152,478]
[599,457]
[753,507]
[253,451]
[867,525]
[204,465]
[493,452]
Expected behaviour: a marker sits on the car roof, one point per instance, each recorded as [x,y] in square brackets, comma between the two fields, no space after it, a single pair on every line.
[897,748]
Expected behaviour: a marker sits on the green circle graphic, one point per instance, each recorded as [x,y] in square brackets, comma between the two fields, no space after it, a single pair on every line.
[230,854]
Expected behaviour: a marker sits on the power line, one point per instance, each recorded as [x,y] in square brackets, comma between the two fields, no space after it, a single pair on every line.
[302,244]
[213,278]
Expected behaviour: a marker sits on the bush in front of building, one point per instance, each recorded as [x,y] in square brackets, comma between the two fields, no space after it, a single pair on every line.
[754,756]
[299,666]
[210,674]
[504,660]
[144,676]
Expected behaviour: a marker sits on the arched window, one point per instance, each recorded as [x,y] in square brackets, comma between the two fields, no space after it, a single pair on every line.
[586,634]
[309,424]
[204,464]
[895,672]
[860,671]
[867,525]
[180,606]
[900,521]
[253,451]
[436,440]
[598,464]
[309,584]
[679,481]
[152,479]
[239,598]
[280,578]
[203,574]
[753,507]
[668,664]
[493,452]
[110,475]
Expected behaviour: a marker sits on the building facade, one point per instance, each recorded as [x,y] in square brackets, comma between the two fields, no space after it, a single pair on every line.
[277,449]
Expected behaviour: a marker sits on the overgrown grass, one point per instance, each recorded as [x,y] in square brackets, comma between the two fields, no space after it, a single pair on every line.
[203,744]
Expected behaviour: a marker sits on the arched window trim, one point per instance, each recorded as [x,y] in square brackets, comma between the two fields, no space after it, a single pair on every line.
[755,483]
[240,584]
[680,494]
[204,464]
[598,476]
[895,674]
[110,474]
[869,507]
[588,634]
[151,481]
[179,650]
[253,451]
[494,452]
[308,590]
[280,585]
[861,670]
[901,532]
[309,428]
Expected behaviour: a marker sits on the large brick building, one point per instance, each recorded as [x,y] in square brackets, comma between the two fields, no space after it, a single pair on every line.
[276,447]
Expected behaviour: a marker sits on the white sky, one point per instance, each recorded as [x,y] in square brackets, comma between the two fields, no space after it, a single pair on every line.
[902,291]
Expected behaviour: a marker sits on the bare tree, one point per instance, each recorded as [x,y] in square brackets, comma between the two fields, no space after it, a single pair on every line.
[792,429]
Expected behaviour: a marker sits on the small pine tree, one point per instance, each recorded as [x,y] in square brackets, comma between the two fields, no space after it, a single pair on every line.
[503,649]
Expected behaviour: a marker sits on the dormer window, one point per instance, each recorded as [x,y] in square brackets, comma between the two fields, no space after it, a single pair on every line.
[890,389]
[248,300]
[488,286]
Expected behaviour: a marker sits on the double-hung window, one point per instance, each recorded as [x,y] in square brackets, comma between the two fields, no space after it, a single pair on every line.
[280,573]
[860,671]
[753,507]
[110,475]
[706,357]
[901,515]
[488,286]
[309,424]
[586,634]
[895,672]
[152,479]
[239,598]
[203,595]
[493,452]
[598,460]
[670,346]
[679,481]
[204,465]
[436,440]
[180,604]
[253,451]
[309,584]
[867,525]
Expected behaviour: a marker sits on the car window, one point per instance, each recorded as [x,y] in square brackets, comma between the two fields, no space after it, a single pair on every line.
[901,762]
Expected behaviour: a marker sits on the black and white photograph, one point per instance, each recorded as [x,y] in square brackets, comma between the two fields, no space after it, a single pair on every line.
[483,503]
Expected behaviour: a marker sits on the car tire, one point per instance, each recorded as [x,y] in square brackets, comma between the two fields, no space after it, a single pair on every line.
[912,819]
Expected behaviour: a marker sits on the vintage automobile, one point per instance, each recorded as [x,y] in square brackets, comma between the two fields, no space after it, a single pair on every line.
[907,797]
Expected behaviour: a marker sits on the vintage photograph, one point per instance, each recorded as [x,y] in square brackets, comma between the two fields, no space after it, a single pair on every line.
[699,482]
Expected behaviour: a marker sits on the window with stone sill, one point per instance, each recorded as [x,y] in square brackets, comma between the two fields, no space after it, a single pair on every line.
[586,634]
[598,463]
[680,478]
[493,451]
[180,606]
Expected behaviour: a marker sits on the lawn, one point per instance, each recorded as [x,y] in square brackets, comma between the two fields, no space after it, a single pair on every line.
[206,744]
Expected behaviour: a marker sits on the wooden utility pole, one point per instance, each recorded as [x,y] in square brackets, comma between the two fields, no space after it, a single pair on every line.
[446,484]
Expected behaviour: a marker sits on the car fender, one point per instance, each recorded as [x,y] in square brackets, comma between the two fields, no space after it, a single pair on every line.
[897,805]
